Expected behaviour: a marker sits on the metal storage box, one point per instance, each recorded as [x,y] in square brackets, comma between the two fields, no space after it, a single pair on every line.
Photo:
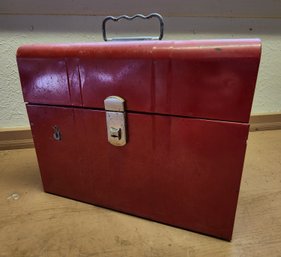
[157,129]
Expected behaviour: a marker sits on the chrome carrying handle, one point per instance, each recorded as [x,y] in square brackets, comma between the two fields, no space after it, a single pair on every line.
[152,15]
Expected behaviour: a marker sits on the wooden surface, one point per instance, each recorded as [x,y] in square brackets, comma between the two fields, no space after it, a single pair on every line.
[15,138]
[33,223]
[269,121]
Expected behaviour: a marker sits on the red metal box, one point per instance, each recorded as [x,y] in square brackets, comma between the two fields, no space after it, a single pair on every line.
[170,147]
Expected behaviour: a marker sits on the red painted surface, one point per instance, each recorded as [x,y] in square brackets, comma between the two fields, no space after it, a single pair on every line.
[180,171]
[205,79]
[215,89]
[188,105]
[44,81]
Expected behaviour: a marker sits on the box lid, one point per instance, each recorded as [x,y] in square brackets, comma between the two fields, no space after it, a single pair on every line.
[212,79]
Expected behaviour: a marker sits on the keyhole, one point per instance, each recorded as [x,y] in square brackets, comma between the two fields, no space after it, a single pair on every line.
[57,133]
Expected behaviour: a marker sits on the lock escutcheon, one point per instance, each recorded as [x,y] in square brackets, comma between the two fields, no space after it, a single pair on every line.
[57,133]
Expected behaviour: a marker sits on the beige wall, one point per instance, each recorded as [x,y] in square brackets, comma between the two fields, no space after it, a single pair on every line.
[60,25]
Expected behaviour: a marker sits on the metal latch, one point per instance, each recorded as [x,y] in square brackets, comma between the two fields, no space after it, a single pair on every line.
[115,120]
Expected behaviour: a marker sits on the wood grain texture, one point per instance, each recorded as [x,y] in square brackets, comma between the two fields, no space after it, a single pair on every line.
[33,223]
[270,121]
[15,138]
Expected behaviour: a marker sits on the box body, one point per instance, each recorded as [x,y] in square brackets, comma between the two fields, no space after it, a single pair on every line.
[187,112]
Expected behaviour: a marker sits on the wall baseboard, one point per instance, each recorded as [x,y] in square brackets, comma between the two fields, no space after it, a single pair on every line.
[270,121]
[15,138]
[20,138]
